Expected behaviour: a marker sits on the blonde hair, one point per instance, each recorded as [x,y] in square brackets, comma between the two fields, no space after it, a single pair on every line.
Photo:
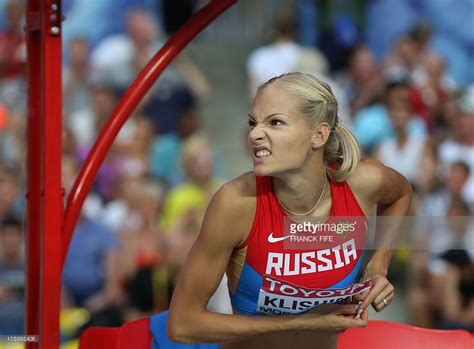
[317,104]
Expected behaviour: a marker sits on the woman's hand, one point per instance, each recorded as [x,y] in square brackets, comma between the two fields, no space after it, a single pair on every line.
[380,294]
[336,318]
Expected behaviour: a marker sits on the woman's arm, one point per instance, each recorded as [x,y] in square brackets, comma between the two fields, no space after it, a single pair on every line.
[392,193]
[190,322]
[193,77]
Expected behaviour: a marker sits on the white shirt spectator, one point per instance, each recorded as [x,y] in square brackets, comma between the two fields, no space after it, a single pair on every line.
[451,151]
[404,159]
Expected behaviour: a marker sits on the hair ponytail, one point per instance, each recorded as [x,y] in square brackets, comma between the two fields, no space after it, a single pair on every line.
[341,153]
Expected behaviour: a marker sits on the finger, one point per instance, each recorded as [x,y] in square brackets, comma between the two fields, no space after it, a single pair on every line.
[387,292]
[376,289]
[379,306]
[361,314]
[368,300]
[361,296]
[358,320]
[349,309]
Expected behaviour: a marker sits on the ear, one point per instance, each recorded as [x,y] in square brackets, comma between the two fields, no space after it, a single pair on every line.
[320,135]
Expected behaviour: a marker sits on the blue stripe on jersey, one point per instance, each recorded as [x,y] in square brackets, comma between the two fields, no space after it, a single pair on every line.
[351,277]
[245,298]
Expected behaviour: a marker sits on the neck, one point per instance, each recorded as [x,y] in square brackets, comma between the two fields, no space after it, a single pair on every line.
[282,39]
[204,183]
[299,192]
[401,136]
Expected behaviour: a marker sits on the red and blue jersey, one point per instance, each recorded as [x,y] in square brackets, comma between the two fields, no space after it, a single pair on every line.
[289,267]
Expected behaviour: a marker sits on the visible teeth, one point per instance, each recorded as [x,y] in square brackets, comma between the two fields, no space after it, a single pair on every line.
[262,153]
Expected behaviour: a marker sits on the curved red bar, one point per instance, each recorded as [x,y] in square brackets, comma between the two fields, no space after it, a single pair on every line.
[124,108]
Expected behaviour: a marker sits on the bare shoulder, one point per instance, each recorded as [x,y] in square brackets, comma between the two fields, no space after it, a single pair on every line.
[233,207]
[375,182]
[237,192]
[367,177]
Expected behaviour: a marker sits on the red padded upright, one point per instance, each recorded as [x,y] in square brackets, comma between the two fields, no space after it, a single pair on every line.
[133,334]
[392,335]
[100,337]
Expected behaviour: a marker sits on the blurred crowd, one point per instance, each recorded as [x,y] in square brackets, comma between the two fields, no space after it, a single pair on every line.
[147,203]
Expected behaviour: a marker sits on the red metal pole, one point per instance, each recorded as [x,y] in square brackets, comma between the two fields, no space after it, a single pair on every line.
[52,203]
[124,108]
[32,245]
[45,207]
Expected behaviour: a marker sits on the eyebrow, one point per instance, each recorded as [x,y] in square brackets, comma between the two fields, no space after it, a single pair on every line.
[268,116]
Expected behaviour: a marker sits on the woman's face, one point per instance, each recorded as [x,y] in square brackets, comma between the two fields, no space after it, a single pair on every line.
[400,114]
[279,140]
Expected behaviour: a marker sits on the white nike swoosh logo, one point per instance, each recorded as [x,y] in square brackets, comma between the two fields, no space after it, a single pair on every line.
[272,239]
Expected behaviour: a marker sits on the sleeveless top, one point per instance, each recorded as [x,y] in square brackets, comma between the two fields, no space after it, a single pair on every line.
[290,267]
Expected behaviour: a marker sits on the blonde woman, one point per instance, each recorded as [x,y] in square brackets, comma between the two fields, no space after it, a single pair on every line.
[306,167]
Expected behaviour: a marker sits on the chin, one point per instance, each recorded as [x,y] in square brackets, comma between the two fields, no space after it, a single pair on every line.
[260,171]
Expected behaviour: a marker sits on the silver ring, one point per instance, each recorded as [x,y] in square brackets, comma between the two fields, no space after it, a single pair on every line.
[385,302]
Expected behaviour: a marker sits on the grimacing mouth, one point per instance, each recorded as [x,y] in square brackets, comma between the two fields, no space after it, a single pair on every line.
[262,153]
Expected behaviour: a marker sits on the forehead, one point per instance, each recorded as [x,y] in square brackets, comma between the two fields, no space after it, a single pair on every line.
[271,100]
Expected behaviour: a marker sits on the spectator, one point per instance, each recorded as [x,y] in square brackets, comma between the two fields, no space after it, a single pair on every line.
[119,58]
[362,80]
[91,277]
[434,87]
[435,234]
[457,308]
[87,122]
[437,202]
[10,188]
[201,183]
[402,152]
[460,147]
[12,276]
[134,151]
[144,250]
[165,156]
[86,125]
[13,55]
[141,34]
[282,55]
[120,213]
[77,77]
[12,137]
[446,119]
[427,175]
[372,124]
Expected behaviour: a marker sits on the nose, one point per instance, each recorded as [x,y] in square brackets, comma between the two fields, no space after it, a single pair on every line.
[256,134]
